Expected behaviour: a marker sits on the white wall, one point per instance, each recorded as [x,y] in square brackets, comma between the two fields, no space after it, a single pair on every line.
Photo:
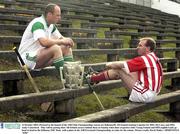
[166,6]
[163,5]
[139,2]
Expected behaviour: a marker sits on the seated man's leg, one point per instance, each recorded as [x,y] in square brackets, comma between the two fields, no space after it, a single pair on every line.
[128,79]
[114,74]
[102,76]
[49,56]
[67,53]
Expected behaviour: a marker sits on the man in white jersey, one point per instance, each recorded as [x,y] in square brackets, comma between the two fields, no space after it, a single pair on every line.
[142,75]
[42,44]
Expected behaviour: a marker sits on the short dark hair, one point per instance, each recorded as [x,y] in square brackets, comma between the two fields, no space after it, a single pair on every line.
[150,42]
[49,8]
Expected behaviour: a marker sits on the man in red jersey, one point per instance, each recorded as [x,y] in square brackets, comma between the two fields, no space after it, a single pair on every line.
[142,75]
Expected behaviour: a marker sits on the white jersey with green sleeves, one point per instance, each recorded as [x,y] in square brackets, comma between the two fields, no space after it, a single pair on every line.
[36,29]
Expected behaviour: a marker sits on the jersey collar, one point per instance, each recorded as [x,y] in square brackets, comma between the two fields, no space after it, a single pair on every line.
[45,20]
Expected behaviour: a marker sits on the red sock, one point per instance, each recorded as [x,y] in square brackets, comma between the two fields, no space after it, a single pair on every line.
[102,76]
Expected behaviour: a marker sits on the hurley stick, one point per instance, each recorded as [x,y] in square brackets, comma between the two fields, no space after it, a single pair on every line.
[45,106]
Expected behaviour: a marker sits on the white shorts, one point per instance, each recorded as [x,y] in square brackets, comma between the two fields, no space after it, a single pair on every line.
[139,94]
[29,59]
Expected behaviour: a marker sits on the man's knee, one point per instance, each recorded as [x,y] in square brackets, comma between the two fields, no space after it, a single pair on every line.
[119,74]
[114,74]
[56,49]
[66,50]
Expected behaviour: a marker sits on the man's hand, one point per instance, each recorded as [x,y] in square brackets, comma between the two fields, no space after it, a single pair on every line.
[109,65]
[68,42]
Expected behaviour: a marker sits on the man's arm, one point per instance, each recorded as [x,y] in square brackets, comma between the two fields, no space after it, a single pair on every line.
[39,35]
[115,65]
[48,42]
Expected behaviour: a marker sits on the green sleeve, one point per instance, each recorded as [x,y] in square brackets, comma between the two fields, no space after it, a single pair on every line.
[36,26]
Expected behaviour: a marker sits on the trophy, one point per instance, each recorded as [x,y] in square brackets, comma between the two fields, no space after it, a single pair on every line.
[72,74]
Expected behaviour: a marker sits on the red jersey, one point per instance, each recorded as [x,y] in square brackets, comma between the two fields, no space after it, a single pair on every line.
[149,71]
